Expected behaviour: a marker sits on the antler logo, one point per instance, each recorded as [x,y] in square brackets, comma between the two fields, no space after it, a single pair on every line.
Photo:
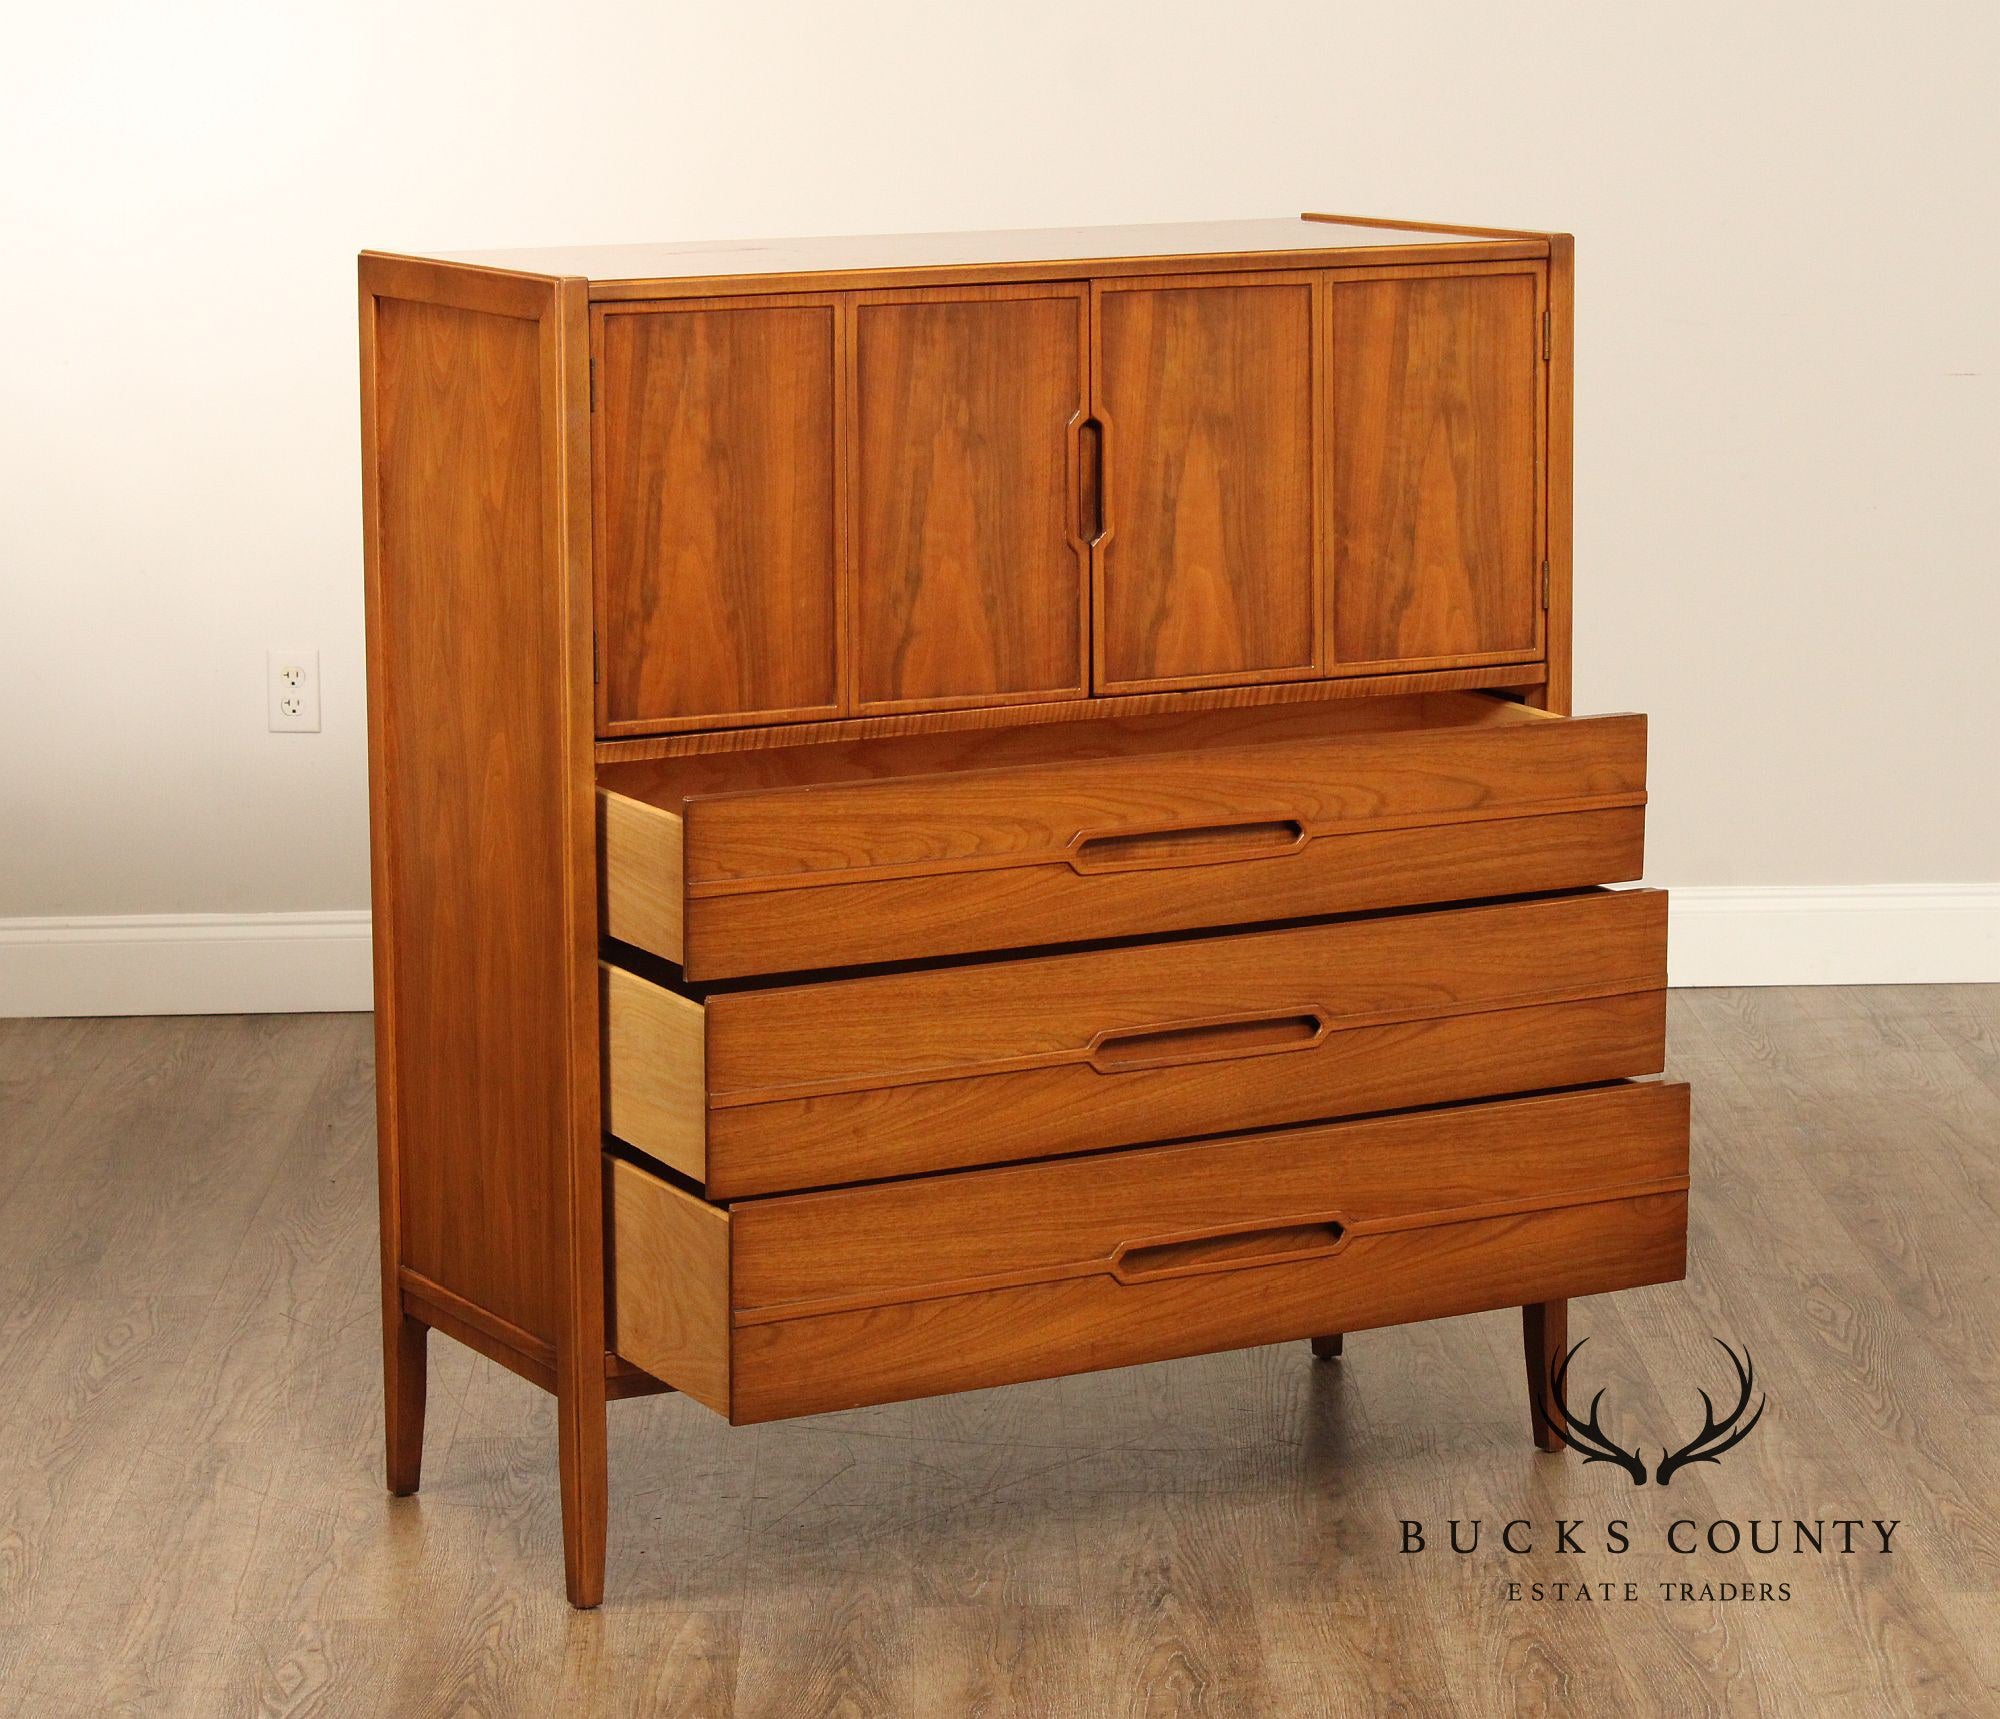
[1587,1437]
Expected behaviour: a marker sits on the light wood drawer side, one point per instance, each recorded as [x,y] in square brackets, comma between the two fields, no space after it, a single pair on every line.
[668,1270]
[655,1079]
[640,868]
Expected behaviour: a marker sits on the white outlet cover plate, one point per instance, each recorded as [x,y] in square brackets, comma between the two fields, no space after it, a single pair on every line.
[291,680]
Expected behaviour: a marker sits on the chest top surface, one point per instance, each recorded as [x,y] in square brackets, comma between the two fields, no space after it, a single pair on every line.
[1300,239]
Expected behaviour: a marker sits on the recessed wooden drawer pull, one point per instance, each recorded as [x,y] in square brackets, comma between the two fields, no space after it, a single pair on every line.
[1205,1041]
[1087,463]
[1199,844]
[1230,1251]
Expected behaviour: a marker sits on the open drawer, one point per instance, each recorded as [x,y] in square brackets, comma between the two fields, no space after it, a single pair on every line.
[919,846]
[764,1088]
[830,1300]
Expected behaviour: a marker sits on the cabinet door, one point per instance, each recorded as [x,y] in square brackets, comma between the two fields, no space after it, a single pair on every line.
[1437,485]
[717,512]
[1208,564]
[970,572]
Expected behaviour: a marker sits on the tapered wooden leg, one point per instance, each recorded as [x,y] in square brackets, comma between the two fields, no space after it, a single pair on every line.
[1544,1338]
[405,1381]
[582,1454]
[1327,1348]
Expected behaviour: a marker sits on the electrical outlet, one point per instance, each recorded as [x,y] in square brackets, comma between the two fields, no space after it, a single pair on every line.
[292,679]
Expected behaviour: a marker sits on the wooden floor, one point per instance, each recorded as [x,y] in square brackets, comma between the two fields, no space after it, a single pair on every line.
[192,1520]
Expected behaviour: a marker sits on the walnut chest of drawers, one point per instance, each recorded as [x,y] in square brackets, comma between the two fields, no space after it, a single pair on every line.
[957,809]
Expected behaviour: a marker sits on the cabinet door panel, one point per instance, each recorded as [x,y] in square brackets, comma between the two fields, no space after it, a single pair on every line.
[1437,393]
[1207,570]
[970,577]
[717,513]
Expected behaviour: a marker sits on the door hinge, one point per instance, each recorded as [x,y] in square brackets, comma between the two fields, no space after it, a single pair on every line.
[1545,584]
[1548,343]
[593,383]
[597,661]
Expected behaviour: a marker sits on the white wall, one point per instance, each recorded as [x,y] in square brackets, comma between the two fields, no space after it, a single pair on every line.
[1787,431]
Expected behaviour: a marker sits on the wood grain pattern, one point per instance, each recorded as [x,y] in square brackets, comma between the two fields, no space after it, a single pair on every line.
[1208,566]
[719,517]
[892,1075]
[950,912]
[585,1372]
[859,500]
[669,1265]
[923,1024]
[928,1236]
[900,1130]
[1437,490]
[457,453]
[641,873]
[1023,798]
[970,577]
[1398,803]
[190,1440]
[1521,679]
[906,1288]
[1044,1329]
[941,746]
[476,485]
[655,1079]
[1559,528]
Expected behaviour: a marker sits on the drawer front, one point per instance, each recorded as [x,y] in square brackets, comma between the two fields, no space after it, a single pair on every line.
[916,918]
[1333,811]
[908,1129]
[941,1068]
[863,1295]
[1084,1324]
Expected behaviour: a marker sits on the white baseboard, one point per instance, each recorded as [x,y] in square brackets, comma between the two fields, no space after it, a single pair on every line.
[1835,934]
[308,963]
[187,964]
